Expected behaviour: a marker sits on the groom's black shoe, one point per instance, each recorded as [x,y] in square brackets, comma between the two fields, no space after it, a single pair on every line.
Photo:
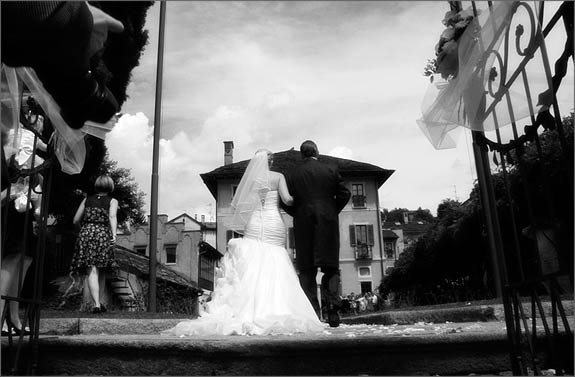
[333,317]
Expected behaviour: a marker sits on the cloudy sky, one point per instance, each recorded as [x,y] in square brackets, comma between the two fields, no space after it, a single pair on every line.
[347,75]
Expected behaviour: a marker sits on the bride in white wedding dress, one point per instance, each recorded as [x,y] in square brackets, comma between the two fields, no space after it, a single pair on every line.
[258,291]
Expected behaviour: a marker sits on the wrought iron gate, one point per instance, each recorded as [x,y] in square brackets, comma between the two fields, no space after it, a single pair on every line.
[531,244]
[22,350]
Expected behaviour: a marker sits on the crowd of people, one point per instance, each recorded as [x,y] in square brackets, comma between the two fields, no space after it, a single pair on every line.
[353,304]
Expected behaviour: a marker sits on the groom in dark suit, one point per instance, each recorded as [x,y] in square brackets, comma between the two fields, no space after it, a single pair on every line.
[319,196]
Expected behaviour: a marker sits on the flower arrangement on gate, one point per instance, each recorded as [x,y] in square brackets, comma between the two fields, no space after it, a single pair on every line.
[446,50]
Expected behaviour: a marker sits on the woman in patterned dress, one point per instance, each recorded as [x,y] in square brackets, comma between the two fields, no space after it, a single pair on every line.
[94,245]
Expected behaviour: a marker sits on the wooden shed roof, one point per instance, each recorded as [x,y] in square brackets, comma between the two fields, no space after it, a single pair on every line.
[139,265]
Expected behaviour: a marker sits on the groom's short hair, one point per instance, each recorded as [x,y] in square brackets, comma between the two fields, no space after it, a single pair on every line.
[308,149]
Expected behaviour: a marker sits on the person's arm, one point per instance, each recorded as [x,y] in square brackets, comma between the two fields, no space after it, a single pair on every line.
[113,219]
[284,192]
[41,145]
[342,193]
[289,209]
[79,212]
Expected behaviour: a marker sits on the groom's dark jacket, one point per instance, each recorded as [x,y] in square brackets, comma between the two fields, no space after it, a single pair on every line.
[319,196]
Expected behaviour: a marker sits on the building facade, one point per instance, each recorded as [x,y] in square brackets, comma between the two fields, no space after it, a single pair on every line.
[398,236]
[183,246]
[361,245]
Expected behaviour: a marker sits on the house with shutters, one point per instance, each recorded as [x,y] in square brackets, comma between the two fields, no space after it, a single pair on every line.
[399,235]
[362,259]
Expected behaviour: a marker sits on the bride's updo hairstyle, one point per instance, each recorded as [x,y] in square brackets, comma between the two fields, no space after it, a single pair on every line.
[270,155]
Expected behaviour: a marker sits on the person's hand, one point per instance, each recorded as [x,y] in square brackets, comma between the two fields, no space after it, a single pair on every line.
[102,24]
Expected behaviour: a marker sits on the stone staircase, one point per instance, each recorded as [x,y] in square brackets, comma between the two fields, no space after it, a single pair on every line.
[123,291]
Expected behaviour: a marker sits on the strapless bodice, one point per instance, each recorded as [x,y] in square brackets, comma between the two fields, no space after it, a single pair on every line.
[271,200]
[266,223]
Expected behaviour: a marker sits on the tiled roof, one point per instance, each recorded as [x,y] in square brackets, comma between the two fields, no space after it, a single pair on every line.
[283,161]
[204,225]
[179,217]
[389,234]
[209,225]
[209,250]
[139,265]
[409,227]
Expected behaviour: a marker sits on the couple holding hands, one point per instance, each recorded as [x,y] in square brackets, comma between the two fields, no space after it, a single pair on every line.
[258,291]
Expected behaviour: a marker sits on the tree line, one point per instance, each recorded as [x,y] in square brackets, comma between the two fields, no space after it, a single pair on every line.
[114,67]
[451,261]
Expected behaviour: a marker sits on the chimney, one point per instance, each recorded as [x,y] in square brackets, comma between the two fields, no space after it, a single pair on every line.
[203,218]
[228,152]
[405,217]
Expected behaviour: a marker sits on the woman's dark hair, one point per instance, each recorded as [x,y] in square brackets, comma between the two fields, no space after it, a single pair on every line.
[104,183]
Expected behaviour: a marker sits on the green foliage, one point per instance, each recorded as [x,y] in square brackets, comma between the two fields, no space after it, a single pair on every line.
[423,215]
[452,260]
[138,303]
[448,211]
[122,54]
[447,261]
[173,298]
[430,67]
[126,191]
[64,195]
[123,51]
[396,215]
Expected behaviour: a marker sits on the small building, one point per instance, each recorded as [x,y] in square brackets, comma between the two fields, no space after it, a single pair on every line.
[361,248]
[182,247]
[126,287]
[398,236]
[129,286]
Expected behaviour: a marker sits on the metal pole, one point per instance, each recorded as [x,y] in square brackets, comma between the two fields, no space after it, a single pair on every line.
[155,158]
[380,232]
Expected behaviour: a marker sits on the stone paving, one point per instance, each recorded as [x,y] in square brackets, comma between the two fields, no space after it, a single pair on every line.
[122,346]
[417,329]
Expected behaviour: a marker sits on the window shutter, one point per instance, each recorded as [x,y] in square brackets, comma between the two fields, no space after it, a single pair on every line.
[352,235]
[370,241]
[229,235]
[291,238]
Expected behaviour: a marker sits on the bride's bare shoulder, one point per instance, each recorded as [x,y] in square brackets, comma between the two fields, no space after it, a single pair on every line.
[276,175]
[275,178]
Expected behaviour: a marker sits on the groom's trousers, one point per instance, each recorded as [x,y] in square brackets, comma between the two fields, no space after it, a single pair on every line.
[329,287]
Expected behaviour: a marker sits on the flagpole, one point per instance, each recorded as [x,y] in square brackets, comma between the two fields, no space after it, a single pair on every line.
[155,159]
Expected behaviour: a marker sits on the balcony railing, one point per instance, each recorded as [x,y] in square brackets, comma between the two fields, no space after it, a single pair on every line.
[358,201]
[363,252]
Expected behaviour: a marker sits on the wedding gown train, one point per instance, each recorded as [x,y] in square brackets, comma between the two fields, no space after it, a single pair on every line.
[258,291]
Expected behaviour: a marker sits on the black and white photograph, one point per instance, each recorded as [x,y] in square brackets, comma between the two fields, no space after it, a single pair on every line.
[287,188]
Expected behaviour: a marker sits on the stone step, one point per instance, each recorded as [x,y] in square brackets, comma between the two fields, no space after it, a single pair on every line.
[459,341]
[123,293]
[347,350]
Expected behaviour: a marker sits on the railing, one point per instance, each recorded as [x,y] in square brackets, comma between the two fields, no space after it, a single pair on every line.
[358,201]
[206,272]
[23,353]
[363,252]
[518,269]
[389,253]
